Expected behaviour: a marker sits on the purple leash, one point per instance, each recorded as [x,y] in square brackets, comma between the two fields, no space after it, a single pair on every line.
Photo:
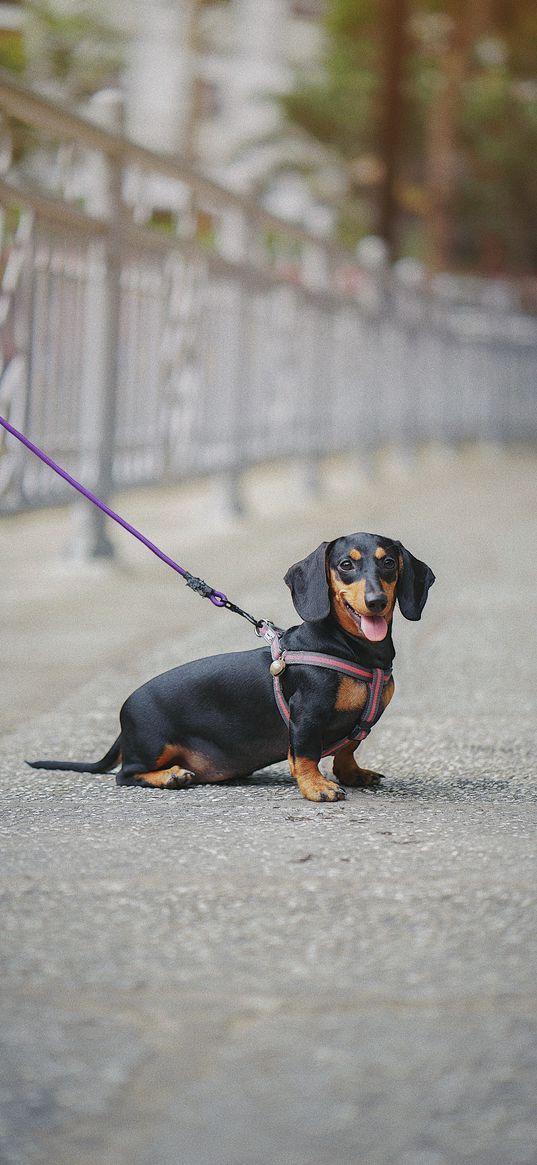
[197,584]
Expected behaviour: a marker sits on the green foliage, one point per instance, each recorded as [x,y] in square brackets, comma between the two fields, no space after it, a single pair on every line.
[71,48]
[496,196]
[323,111]
[12,54]
[338,108]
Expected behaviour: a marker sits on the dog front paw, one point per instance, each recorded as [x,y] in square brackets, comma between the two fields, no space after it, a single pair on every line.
[315,787]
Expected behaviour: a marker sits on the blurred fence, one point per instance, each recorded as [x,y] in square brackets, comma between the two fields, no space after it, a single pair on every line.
[154,326]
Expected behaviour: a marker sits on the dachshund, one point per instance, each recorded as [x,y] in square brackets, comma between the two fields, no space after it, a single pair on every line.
[217,718]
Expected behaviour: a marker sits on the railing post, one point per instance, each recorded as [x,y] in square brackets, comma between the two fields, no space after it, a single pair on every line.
[90,537]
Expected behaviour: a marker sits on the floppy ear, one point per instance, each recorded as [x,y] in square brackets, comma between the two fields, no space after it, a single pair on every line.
[413,586]
[308,584]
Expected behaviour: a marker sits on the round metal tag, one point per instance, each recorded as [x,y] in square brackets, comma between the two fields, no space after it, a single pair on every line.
[277,666]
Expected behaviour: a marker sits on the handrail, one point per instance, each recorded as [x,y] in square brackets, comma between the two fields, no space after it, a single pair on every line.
[52,210]
[60,214]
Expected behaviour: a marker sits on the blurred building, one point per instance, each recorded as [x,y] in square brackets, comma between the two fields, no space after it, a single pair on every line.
[202,80]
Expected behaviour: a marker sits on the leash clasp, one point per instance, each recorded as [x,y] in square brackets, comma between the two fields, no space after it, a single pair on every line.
[264,629]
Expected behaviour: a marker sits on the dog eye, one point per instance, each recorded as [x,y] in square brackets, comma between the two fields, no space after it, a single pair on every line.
[389,563]
[346,564]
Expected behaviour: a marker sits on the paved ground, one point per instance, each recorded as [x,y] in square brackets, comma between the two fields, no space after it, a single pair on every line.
[234,976]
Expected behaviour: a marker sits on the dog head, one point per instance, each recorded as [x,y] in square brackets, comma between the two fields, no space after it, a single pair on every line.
[359,578]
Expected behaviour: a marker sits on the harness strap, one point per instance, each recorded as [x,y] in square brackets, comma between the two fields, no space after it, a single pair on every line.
[375,678]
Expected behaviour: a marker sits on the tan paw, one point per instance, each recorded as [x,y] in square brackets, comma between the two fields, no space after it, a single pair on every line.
[179,778]
[315,787]
[172,778]
[360,778]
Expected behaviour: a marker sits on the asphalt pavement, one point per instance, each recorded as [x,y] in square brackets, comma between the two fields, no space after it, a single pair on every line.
[231,975]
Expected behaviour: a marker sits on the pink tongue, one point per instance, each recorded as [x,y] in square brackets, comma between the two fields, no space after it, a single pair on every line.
[374,627]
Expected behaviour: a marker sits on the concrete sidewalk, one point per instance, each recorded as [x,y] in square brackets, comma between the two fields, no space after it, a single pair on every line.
[232,975]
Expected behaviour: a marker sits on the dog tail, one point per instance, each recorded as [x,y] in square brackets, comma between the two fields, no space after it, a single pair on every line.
[104,765]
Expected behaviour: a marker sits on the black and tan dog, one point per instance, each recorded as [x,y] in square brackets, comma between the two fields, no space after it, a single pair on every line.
[217,718]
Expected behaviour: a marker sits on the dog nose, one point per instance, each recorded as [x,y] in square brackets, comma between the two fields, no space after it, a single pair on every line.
[376,602]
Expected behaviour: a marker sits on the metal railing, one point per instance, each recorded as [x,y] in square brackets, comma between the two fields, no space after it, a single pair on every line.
[154,326]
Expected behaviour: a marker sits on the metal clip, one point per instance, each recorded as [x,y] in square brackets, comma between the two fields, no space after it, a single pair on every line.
[266,630]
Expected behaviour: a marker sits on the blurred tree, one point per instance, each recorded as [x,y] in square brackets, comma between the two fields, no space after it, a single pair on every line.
[430,106]
[340,107]
[495,200]
[472,78]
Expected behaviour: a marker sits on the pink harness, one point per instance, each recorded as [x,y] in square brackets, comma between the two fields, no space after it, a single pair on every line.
[375,678]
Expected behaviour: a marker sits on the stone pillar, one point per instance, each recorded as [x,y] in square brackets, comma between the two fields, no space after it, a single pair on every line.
[259,68]
[159,73]
[259,29]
